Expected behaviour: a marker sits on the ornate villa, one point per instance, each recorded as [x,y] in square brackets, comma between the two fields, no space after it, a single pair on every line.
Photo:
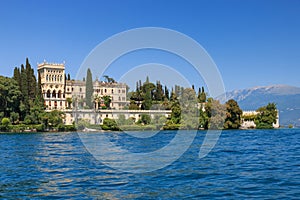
[69,96]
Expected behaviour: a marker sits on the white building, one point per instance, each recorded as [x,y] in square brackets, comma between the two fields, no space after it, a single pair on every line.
[62,94]
[69,95]
[249,123]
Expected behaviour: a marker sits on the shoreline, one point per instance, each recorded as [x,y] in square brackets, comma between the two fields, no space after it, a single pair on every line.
[122,131]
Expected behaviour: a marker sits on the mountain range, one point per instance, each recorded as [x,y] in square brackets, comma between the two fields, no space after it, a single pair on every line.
[287,99]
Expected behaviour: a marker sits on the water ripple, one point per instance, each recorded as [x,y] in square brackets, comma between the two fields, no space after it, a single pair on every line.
[251,164]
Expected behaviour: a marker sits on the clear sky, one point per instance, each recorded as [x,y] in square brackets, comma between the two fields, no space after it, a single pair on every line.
[253,42]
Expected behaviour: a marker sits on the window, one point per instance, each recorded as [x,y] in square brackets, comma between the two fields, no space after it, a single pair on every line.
[80,89]
[112,91]
[123,91]
[123,98]
[48,94]
[59,94]
[54,94]
[47,77]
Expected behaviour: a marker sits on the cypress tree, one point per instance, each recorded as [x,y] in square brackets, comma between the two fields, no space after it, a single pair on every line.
[202,97]
[158,92]
[24,107]
[31,81]
[89,88]
[167,93]
[17,76]
[39,90]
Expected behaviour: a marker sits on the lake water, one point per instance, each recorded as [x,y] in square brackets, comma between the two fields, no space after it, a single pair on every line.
[262,164]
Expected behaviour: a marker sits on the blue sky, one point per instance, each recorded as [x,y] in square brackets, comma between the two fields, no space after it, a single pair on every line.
[253,43]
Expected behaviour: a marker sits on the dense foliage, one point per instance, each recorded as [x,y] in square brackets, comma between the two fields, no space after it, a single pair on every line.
[22,103]
[267,115]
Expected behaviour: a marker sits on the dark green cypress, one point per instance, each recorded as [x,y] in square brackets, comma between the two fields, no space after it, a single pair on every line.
[89,88]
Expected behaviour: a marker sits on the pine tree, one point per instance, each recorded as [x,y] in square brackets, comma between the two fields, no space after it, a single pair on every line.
[89,88]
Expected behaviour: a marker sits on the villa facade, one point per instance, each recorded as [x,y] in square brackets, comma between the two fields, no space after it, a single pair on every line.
[62,94]
[69,96]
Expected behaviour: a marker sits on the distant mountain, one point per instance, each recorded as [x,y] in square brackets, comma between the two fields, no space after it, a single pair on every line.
[287,99]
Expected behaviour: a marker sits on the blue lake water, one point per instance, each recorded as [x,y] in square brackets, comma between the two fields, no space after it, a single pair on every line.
[262,164]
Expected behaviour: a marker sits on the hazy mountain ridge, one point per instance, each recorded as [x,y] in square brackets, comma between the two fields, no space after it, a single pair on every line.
[287,99]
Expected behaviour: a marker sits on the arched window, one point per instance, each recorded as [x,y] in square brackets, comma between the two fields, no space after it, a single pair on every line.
[55,78]
[48,94]
[54,94]
[59,94]
[60,78]
[47,77]
[52,78]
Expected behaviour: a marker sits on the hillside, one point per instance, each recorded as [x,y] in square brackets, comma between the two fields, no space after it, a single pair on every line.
[287,99]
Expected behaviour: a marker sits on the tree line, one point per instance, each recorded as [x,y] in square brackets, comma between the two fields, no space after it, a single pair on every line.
[191,110]
[22,105]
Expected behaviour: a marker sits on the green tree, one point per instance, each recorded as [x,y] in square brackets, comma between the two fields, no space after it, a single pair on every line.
[266,116]
[189,111]
[201,95]
[5,122]
[216,113]
[10,96]
[107,100]
[145,119]
[133,105]
[110,124]
[31,81]
[36,113]
[176,109]
[233,116]
[24,90]
[147,92]
[54,118]
[14,117]
[167,95]
[89,89]
[158,93]
[39,94]
[17,76]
